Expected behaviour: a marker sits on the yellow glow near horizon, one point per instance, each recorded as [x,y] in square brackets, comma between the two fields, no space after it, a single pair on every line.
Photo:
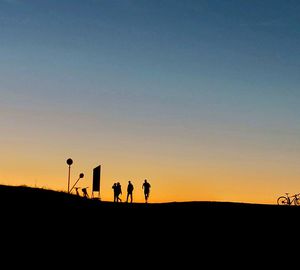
[208,113]
[169,181]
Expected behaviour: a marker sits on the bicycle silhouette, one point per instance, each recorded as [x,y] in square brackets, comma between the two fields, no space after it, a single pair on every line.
[289,200]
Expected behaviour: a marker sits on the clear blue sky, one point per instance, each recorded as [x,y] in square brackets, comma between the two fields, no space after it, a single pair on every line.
[190,79]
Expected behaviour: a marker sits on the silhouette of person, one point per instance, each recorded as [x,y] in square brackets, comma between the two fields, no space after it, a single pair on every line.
[115,190]
[146,186]
[129,191]
[119,192]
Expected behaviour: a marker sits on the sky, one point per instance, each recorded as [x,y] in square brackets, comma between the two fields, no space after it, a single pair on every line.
[200,97]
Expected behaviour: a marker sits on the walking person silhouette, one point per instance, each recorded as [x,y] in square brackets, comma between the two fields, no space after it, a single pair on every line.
[146,186]
[129,191]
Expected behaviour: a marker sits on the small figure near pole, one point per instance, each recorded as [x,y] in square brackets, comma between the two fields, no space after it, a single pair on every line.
[84,191]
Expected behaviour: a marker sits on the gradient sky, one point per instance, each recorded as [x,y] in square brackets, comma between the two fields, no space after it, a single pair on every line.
[200,97]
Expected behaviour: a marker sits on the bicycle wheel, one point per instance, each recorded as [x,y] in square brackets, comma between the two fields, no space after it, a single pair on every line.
[297,201]
[282,200]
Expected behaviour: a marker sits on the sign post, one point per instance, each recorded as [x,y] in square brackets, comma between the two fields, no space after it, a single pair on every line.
[69,162]
[96,179]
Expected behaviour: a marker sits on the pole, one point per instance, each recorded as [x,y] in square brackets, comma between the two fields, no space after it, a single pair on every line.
[69,162]
[69,179]
[80,176]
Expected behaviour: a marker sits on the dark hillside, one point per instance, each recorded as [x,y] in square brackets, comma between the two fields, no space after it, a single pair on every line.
[36,203]
[39,220]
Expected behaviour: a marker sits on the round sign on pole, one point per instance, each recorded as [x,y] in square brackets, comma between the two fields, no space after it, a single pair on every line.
[69,161]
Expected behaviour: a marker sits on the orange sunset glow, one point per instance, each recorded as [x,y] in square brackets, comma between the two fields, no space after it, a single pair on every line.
[201,98]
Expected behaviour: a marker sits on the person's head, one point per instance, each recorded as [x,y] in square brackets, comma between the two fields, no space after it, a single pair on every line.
[145,180]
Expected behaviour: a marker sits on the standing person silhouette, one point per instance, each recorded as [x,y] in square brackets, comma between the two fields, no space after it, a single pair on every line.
[129,191]
[119,192]
[115,189]
[146,186]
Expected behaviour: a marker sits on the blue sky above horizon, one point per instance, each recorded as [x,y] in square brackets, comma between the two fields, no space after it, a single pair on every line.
[196,83]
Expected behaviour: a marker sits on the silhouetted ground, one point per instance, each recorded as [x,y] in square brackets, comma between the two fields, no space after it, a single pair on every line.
[43,217]
[39,203]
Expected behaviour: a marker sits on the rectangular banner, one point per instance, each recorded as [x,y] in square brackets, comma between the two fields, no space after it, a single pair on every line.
[96,178]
